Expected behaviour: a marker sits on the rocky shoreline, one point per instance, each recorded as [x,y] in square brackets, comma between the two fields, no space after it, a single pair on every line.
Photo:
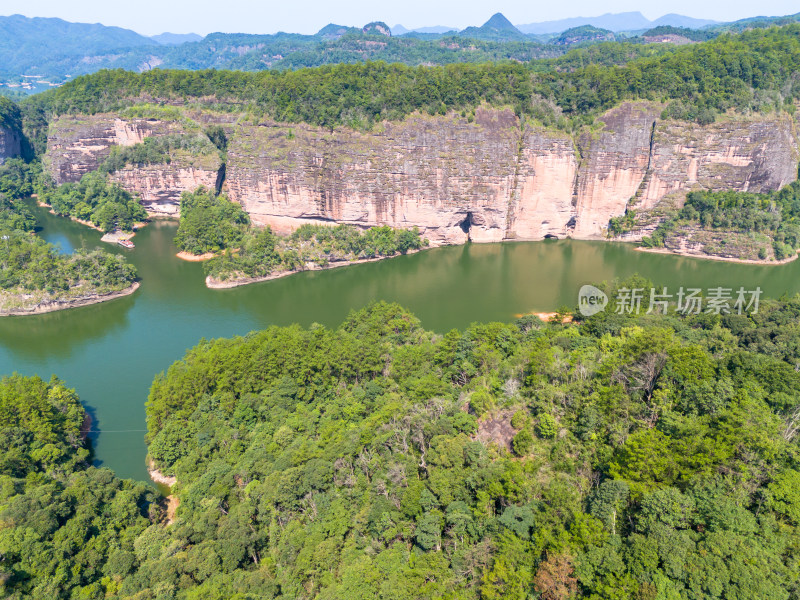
[55,305]
[216,284]
[188,256]
[700,255]
[171,501]
[158,477]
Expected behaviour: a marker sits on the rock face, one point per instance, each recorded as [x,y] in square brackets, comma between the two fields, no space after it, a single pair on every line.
[615,161]
[487,179]
[160,186]
[754,155]
[78,145]
[10,144]
[444,175]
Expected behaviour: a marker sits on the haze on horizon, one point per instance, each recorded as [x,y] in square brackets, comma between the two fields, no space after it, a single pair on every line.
[150,17]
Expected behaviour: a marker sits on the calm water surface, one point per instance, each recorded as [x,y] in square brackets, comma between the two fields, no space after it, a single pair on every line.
[110,352]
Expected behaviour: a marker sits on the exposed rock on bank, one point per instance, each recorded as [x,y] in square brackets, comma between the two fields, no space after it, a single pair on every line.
[188,256]
[217,284]
[50,305]
[158,476]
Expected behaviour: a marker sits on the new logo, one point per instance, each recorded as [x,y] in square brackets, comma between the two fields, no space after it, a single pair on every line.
[591,300]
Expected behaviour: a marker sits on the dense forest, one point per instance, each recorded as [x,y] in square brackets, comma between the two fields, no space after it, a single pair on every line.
[355,47]
[749,71]
[56,509]
[210,222]
[732,224]
[624,456]
[157,150]
[10,116]
[95,199]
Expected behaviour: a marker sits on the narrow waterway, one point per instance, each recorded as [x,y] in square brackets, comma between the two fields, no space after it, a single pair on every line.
[110,352]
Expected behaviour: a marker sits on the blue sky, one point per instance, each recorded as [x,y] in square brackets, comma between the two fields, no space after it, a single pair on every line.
[308,16]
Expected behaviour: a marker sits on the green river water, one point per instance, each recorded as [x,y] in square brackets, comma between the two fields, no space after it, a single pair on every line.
[110,352]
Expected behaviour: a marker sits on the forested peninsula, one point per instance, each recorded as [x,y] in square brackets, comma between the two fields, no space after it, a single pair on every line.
[215,229]
[34,276]
[619,456]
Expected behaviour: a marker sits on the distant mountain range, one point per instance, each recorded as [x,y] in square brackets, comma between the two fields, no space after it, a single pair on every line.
[37,53]
[400,30]
[616,22]
[176,39]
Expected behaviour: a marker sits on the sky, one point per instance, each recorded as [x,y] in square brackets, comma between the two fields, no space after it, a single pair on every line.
[150,17]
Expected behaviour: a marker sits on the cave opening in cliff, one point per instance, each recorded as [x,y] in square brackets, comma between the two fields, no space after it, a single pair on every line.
[220,179]
[572,222]
[466,225]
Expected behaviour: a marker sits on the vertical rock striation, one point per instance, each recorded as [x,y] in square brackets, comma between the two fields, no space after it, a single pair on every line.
[444,175]
[10,143]
[615,161]
[77,145]
[486,179]
[160,186]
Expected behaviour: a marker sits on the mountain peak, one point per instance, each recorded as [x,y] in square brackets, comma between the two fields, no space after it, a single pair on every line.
[332,31]
[377,28]
[499,22]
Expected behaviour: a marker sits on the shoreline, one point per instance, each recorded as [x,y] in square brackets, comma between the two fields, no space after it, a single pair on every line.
[70,217]
[216,284]
[158,477]
[56,305]
[108,237]
[86,426]
[188,256]
[171,501]
[545,317]
[743,261]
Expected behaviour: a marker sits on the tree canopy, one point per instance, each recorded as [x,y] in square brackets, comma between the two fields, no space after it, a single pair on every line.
[748,71]
[621,456]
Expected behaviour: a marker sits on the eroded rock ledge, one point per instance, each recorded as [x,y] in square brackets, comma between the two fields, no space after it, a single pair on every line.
[54,305]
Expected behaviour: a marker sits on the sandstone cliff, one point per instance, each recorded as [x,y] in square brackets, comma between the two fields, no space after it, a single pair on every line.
[490,178]
[443,175]
[79,144]
[10,143]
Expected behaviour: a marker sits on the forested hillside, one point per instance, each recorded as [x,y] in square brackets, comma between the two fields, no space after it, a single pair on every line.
[56,509]
[750,71]
[10,117]
[621,457]
[35,52]
[734,224]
